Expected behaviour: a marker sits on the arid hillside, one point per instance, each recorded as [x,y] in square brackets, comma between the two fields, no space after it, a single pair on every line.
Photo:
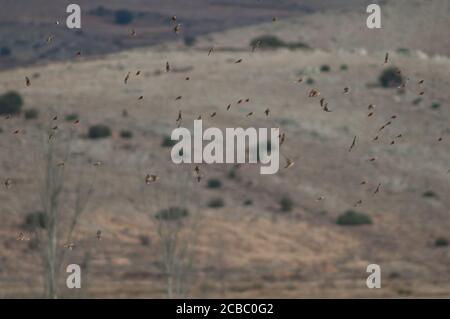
[234,233]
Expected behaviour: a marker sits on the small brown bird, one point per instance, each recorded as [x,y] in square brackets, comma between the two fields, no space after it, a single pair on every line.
[173,18]
[320,198]
[346,90]
[321,101]
[55,118]
[300,80]
[211,50]
[60,164]
[127,77]
[76,122]
[399,136]
[359,202]
[371,107]
[373,159]
[187,78]
[8,183]
[99,235]
[247,100]
[313,93]
[421,82]
[281,137]
[363,183]
[386,58]
[375,138]
[133,32]
[239,102]
[21,237]
[199,117]
[213,114]
[78,53]
[267,111]
[177,28]
[179,116]
[150,178]
[377,190]
[370,114]
[27,81]
[141,97]
[274,19]
[16,131]
[238,61]
[50,38]
[250,114]
[353,144]
[289,163]
[138,73]
[178,98]
[440,139]
[421,93]
[326,109]
[228,107]
[392,142]
[98,163]
[167,67]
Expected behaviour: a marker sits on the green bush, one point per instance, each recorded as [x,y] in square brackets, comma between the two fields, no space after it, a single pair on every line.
[310,81]
[99,131]
[441,242]
[286,204]
[35,220]
[31,114]
[325,68]
[430,194]
[352,218]
[126,134]
[390,78]
[5,51]
[72,117]
[248,202]
[344,67]
[436,105]
[417,101]
[123,17]
[214,183]
[168,142]
[189,40]
[172,214]
[267,42]
[216,203]
[10,103]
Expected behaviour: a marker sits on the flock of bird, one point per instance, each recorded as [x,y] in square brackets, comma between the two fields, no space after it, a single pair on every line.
[313,94]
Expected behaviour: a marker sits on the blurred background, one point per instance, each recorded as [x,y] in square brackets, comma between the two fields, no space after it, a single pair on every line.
[87,178]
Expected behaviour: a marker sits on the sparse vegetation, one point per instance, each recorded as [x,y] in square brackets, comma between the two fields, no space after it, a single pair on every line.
[273,42]
[72,117]
[99,131]
[430,194]
[35,220]
[172,214]
[5,51]
[441,242]
[325,68]
[10,103]
[310,81]
[343,67]
[286,204]
[417,101]
[390,78]
[168,142]
[248,202]
[214,183]
[144,240]
[126,134]
[123,17]
[31,114]
[189,40]
[352,218]
[216,203]
[435,105]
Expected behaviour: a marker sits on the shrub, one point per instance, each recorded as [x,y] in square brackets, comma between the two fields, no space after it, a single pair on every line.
[417,101]
[72,117]
[189,40]
[5,51]
[352,218]
[325,68]
[248,202]
[99,131]
[216,203]
[298,45]
[214,183]
[436,105]
[10,103]
[430,194]
[126,134]
[35,220]
[404,51]
[344,67]
[31,114]
[310,81]
[1,130]
[232,173]
[123,17]
[441,242]
[172,214]
[267,42]
[144,240]
[390,78]
[168,142]
[286,204]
